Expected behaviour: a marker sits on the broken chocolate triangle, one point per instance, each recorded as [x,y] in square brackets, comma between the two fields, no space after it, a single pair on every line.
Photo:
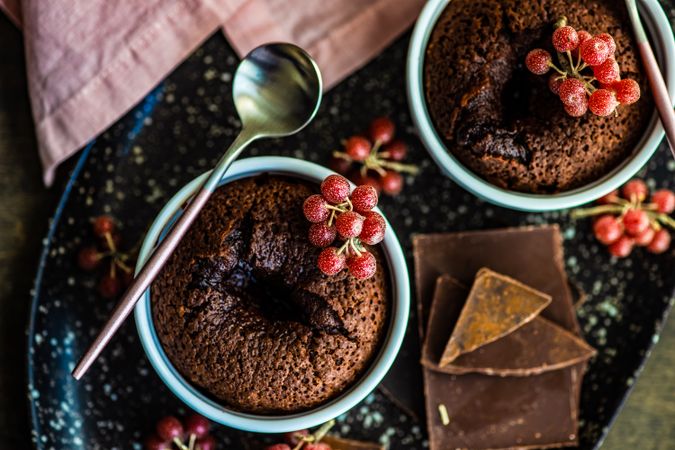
[496,306]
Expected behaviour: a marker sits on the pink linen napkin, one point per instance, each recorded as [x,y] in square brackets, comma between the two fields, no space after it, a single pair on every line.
[88,62]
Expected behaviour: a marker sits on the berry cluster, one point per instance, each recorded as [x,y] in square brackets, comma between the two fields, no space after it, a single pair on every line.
[105,254]
[576,52]
[303,440]
[626,220]
[374,160]
[340,213]
[191,434]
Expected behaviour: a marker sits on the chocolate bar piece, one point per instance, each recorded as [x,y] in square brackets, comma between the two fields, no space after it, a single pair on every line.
[338,443]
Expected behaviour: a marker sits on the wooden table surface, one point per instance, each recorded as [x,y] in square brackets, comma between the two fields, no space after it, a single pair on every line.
[647,422]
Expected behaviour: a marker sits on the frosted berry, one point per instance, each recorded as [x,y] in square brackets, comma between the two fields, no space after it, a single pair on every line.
[89,258]
[583,36]
[661,242]
[607,72]
[664,200]
[554,82]
[359,179]
[382,130]
[594,51]
[331,261]
[635,190]
[335,189]
[155,443]
[321,235]
[609,40]
[206,443]
[645,238]
[635,221]
[572,92]
[358,148]
[362,266]
[278,447]
[610,198]
[349,224]
[602,102]
[364,198]
[109,287]
[577,109]
[103,225]
[317,446]
[169,428]
[627,91]
[294,437]
[339,165]
[538,61]
[607,229]
[198,425]
[315,208]
[392,183]
[396,150]
[373,230]
[565,39]
[622,247]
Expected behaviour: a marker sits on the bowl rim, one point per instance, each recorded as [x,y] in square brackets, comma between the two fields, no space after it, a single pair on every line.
[259,423]
[660,32]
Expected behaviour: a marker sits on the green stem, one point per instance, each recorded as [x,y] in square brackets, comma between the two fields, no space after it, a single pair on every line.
[602,209]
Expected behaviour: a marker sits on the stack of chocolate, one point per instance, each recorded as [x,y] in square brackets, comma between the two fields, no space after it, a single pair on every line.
[503,356]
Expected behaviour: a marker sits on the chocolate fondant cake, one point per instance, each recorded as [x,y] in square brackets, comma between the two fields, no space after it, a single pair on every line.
[243,312]
[503,122]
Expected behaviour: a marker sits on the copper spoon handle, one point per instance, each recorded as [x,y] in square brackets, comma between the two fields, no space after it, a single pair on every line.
[659,90]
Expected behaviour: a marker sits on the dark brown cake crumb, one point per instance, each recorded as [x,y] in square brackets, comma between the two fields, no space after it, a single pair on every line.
[502,121]
[243,312]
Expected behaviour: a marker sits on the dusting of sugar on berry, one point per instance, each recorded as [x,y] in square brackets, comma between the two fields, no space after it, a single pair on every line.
[315,208]
[538,61]
[331,261]
[335,189]
[364,198]
[602,102]
[362,266]
[321,234]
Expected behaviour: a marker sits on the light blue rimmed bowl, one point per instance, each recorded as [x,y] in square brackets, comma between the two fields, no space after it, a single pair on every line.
[661,37]
[215,411]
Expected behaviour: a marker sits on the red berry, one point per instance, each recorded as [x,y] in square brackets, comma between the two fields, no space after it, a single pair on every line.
[635,221]
[607,72]
[294,437]
[609,40]
[358,148]
[155,443]
[109,287]
[359,180]
[565,39]
[583,36]
[89,258]
[315,208]
[339,165]
[572,92]
[664,199]
[335,189]
[103,225]
[635,190]
[396,150]
[602,102]
[610,198]
[594,51]
[578,109]
[538,61]
[645,238]
[373,230]
[362,266]
[331,261]
[627,91]
[554,82]
[169,428]
[206,443]
[382,130]
[317,446]
[622,247]
[321,235]
[607,229]
[198,425]
[279,447]
[660,243]
[364,198]
[349,224]
[392,183]
[126,278]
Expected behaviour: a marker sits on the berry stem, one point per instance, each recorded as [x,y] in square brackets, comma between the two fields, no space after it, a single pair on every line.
[352,242]
[586,212]
[399,167]
[663,219]
[110,241]
[323,430]
[179,443]
[193,439]
[344,247]
[560,71]
[569,56]
[561,22]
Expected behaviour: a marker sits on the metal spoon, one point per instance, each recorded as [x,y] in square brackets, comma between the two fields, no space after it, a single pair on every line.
[277,91]
[658,85]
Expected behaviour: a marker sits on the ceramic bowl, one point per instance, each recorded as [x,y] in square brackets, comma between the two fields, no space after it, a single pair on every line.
[219,413]
[661,36]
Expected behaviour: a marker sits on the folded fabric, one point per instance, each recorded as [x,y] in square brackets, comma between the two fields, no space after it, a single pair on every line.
[90,62]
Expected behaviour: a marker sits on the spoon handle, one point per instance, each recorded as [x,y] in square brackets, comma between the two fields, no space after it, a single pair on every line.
[161,254]
[654,75]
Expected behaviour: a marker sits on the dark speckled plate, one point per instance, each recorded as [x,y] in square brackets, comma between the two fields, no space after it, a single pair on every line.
[178,132]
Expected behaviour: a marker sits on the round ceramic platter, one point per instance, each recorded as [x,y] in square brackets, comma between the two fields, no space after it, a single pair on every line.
[178,132]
